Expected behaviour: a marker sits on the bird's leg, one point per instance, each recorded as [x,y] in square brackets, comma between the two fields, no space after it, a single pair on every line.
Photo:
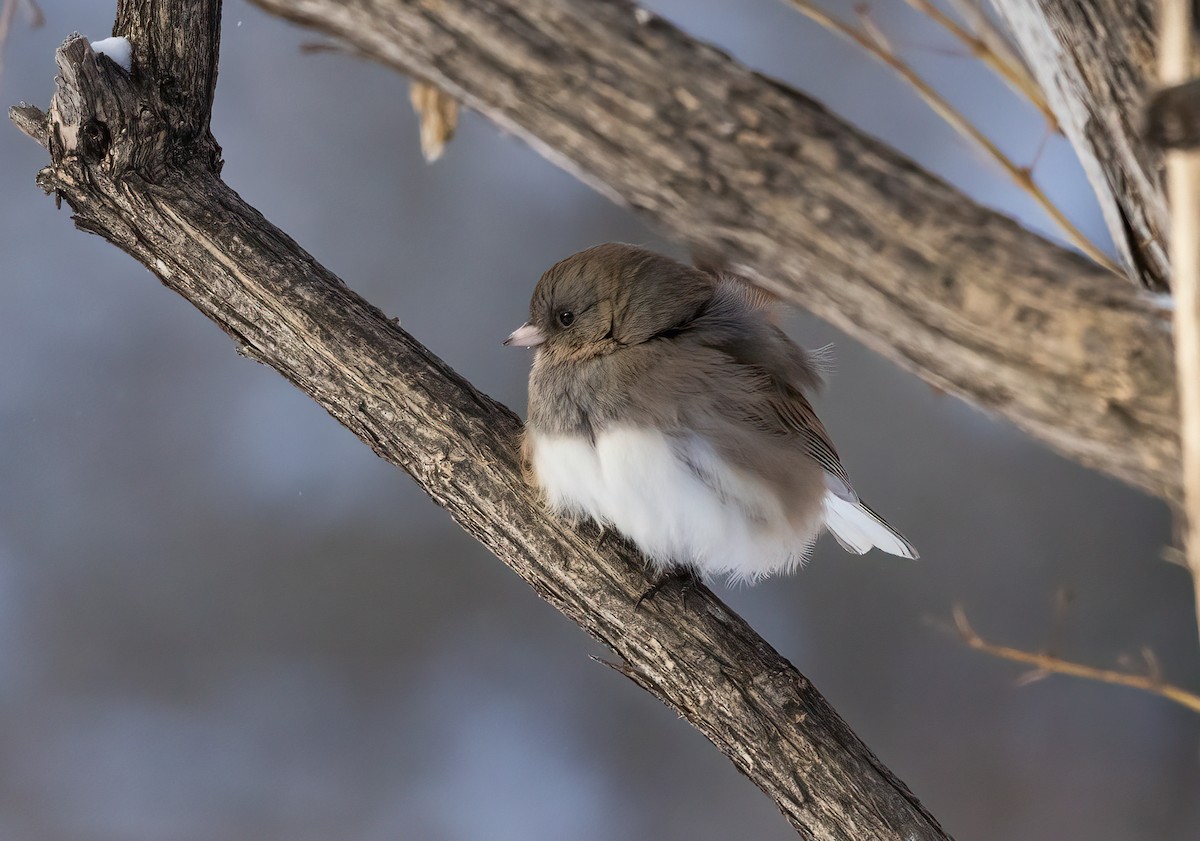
[609,538]
[684,575]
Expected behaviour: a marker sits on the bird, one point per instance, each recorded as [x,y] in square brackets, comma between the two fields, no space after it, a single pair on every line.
[665,403]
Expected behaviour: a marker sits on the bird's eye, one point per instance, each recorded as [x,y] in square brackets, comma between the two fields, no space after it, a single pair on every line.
[566,318]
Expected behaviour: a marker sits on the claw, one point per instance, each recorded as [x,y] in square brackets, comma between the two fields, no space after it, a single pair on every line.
[686,577]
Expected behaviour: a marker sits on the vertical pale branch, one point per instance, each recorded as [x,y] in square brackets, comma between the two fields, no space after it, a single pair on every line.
[1183,193]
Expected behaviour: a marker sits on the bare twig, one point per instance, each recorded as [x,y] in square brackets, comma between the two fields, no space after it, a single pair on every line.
[1041,147]
[955,118]
[1044,664]
[993,50]
[871,29]
[1183,192]
[997,39]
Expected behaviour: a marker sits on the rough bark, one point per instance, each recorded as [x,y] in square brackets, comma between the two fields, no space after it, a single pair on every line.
[142,172]
[807,206]
[1095,61]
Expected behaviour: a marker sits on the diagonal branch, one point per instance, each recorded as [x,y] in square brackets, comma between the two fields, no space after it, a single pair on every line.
[806,206]
[131,173]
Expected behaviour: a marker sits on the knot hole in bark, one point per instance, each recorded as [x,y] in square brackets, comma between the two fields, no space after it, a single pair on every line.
[94,141]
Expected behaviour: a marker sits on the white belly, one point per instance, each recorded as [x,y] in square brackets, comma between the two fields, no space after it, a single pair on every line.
[649,488]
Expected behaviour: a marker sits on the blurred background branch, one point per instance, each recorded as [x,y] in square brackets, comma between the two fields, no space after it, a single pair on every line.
[439,117]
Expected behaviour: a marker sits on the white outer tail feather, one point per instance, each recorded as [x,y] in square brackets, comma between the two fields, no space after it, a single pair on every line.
[858,528]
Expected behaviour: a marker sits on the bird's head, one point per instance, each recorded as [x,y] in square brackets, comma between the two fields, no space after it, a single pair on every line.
[611,296]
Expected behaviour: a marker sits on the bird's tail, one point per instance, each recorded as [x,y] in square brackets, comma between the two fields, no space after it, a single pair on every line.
[858,528]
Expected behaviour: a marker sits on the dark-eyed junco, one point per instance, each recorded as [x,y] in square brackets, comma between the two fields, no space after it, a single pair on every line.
[665,403]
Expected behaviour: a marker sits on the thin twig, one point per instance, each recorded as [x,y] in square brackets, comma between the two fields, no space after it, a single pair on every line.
[1037,155]
[1183,193]
[863,10]
[1044,664]
[959,123]
[949,52]
[997,39]
[992,51]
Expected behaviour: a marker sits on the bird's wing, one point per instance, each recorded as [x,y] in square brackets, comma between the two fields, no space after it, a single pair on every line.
[790,410]
[770,375]
[855,525]
[755,381]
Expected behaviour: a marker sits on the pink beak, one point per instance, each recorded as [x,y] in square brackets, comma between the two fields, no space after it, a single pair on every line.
[527,335]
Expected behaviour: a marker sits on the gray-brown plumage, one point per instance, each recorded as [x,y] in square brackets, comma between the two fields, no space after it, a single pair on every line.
[664,402]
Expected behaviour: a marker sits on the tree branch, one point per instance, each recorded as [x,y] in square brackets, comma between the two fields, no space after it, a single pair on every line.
[133,161]
[806,206]
[1044,663]
[1183,187]
[1095,61]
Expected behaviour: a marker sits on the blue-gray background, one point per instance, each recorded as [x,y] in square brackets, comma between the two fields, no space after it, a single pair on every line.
[222,617]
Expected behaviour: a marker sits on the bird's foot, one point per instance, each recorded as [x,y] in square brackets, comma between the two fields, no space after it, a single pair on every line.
[610,538]
[684,577]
